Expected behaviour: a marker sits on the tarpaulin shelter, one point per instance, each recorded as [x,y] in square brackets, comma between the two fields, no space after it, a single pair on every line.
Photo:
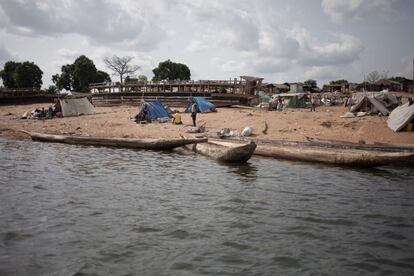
[370,104]
[388,99]
[202,105]
[400,117]
[75,107]
[264,97]
[293,100]
[155,110]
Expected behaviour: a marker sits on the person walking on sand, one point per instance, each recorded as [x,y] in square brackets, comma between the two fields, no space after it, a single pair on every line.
[312,101]
[194,113]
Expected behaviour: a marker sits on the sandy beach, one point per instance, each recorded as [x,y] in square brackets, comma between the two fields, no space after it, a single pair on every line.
[290,124]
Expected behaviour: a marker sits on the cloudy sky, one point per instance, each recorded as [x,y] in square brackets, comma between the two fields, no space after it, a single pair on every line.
[218,39]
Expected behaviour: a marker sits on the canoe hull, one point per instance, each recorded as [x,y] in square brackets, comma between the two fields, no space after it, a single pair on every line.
[151,144]
[350,157]
[224,152]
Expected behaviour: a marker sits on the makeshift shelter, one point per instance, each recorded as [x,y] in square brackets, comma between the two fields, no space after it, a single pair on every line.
[264,97]
[154,111]
[75,107]
[401,117]
[370,105]
[293,100]
[203,105]
[281,88]
[387,98]
[252,85]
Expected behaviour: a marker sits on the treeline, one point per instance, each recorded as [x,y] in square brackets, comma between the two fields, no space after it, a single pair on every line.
[82,72]
[21,75]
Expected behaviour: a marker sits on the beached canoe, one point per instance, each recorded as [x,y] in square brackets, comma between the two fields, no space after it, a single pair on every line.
[337,156]
[335,152]
[151,144]
[224,151]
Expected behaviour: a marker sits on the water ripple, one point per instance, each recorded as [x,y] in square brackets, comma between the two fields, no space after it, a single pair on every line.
[77,210]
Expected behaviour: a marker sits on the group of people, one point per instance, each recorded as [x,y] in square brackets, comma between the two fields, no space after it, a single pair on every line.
[142,116]
[41,113]
[177,116]
[194,110]
[277,104]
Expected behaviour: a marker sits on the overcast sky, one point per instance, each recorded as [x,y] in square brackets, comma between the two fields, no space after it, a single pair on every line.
[282,41]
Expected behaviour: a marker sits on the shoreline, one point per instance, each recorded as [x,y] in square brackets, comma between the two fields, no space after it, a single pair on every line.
[289,124]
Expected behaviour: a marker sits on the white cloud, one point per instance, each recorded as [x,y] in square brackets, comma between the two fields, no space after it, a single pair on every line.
[5,55]
[67,53]
[198,46]
[341,10]
[322,73]
[407,66]
[345,50]
[270,65]
[101,21]
[218,39]
[230,66]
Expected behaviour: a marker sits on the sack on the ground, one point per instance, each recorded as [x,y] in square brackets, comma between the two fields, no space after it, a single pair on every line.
[247,131]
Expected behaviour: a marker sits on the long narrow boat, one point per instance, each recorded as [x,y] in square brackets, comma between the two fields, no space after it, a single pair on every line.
[348,157]
[338,153]
[226,151]
[151,144]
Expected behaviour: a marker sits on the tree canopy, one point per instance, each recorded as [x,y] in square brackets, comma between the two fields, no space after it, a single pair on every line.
[79,75]
[375,75]
[168,70]
[139,78]
[311,83]
[338,82]
[21,75]
[121,66]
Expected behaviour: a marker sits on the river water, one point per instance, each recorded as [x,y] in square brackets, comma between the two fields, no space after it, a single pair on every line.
[75,210]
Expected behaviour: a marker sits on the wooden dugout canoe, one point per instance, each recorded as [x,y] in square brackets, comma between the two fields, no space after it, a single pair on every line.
[227,152]
[335,152]
[150,144]
[337,156]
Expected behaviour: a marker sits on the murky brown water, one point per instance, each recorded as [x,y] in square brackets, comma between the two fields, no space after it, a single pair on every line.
[72,210]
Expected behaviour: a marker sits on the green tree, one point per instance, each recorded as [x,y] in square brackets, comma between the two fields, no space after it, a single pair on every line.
[79,75]
[84,73]
[65,79]
[168,70]
[52,89]
[142,78]
[139,78]
[130,79]
[311,83]
[102,76]
[338,82]
[8,74]
[28,75]
[21,75]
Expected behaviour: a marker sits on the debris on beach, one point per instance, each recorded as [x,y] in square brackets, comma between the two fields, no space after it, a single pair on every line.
[326,124]
[348,115]
[247,131]
[226,132]
[196,129]
[265,127]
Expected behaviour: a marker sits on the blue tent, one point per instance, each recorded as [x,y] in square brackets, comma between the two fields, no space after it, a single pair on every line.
[155,110]
[202,105]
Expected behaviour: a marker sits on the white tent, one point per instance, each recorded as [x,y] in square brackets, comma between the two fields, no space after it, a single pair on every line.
[400,117]
[76,107]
